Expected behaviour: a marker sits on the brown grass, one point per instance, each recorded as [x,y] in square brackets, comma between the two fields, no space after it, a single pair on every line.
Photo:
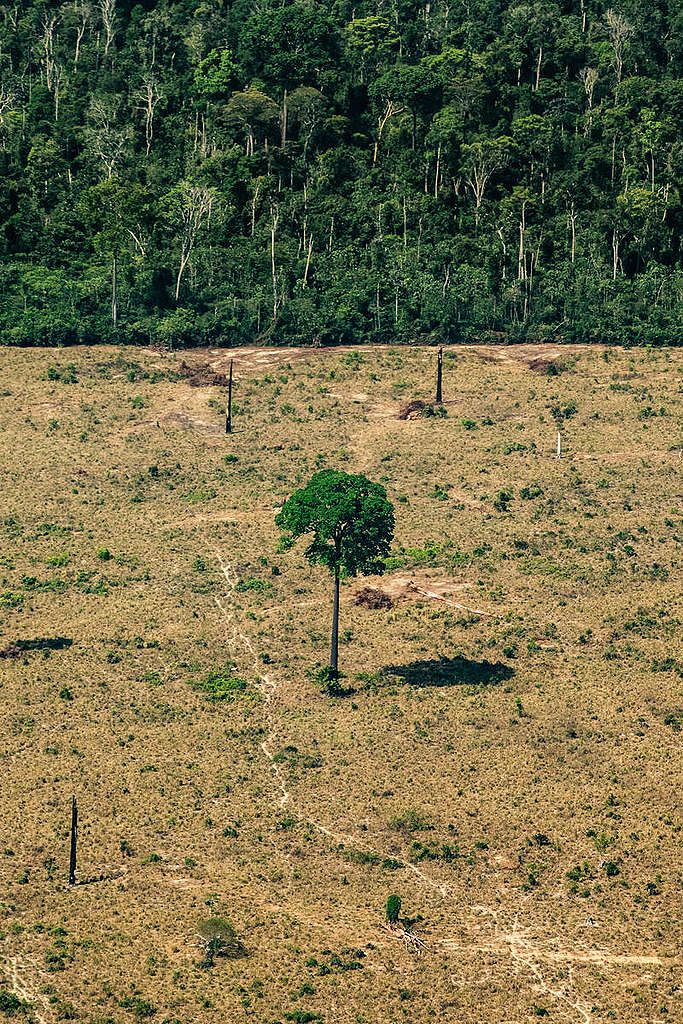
[517,711]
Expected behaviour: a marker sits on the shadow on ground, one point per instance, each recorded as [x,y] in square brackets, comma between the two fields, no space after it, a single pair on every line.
[451,672]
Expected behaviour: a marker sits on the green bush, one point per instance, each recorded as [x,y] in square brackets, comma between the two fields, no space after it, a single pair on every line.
[11,1005]
[221,685]
[259,585]
[411,821]
[502,500]
[219,939]
[393,908]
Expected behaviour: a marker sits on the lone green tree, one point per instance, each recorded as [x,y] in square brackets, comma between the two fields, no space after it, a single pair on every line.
[351,524]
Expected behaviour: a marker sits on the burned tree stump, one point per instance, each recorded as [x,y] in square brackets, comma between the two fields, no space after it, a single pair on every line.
[74,833]
[439,374]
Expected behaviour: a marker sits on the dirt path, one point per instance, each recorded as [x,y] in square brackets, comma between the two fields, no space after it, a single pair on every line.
[16,976]
[526,955]
[256,357]
[268,690]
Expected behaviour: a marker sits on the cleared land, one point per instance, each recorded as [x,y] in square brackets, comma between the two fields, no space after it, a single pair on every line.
[509,758]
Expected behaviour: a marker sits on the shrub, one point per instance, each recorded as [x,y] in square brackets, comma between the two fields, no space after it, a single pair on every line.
[502,500]
[259,585]
[361,857]
[11,1004]
[411,821]
[218,938]
[393,908]
[328,681]
[140,1007]
[219,684]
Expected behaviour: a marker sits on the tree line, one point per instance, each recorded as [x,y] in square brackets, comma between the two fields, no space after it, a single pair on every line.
[226,172]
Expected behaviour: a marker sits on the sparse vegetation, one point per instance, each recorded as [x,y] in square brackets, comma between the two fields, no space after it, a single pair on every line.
[502,751]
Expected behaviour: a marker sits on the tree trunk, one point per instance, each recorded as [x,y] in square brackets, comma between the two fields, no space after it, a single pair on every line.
[228,411]
[283,138]
[114,306]
[334,648]
[308,261]
[74,832]
[273,229]
[439,374]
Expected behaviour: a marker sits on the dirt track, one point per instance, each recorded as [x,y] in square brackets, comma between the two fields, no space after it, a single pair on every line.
[254,357]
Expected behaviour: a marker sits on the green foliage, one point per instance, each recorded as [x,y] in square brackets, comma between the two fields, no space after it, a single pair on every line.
[560,413]
[11,1005]
[142,1009]
[175,157]
[411,821]
[221,685]
[362,857]
[502,500]
[328,680]
[219,939]
[349,519]
[67,374]
[242,586]
[393,908]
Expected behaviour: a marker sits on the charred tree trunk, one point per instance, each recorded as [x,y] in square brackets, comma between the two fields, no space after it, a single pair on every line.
[439,374]
[74,833]
[228,411]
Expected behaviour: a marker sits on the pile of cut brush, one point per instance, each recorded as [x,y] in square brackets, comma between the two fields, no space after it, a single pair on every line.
[413,410]
[373,597]
[202,375]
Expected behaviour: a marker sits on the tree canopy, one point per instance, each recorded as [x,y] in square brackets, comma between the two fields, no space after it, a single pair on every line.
[287,172]
[349,519]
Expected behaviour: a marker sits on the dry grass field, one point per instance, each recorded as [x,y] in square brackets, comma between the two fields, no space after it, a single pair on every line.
[507,757]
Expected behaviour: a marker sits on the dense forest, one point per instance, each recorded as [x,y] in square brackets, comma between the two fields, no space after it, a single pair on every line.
[291,171]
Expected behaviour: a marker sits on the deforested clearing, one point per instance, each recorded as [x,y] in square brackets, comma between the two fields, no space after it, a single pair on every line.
[501,756]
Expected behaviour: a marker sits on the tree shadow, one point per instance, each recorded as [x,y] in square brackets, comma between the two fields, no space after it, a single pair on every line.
[104,877]
[44,643]
[456,671]
[335,689]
